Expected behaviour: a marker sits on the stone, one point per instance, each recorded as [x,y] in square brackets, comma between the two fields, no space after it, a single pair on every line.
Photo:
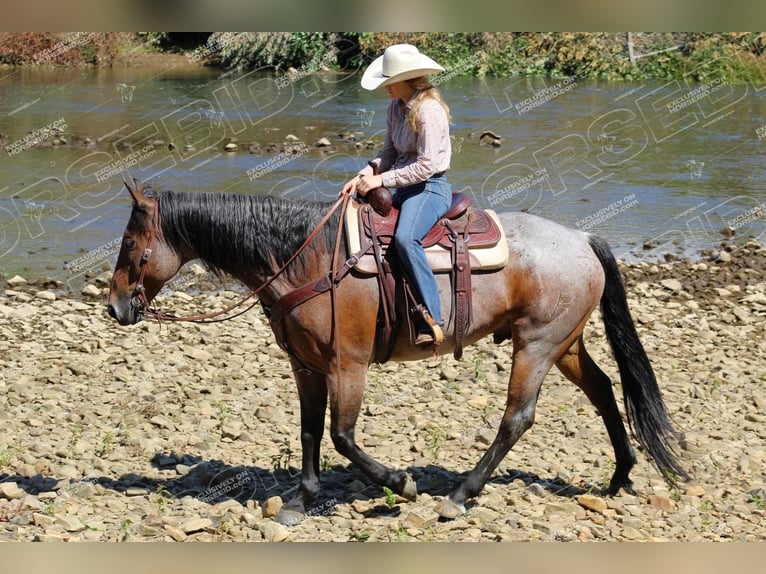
[42,520]
[274,532]
[46,295]
[231,430]
[70,523]
[590,502]
[230,147]
[673,285]
[272,506]
[10,491]
[478,402]
[323,142]
[17,281]
[421,518]
[175,533]
[196,525]
[91,290]
[695,491]
[661,502]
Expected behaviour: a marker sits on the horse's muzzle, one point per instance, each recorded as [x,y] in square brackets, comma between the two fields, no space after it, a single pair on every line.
[124,314]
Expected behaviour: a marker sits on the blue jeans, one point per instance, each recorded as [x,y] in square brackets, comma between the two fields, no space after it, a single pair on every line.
[420,206]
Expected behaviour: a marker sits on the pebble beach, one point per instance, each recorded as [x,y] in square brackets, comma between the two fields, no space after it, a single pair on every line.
[185,432]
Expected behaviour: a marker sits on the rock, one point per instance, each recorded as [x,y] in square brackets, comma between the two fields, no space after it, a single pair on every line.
[16,281]
[291,138]
[10,491]
[196,525]
[590,502]
[46,295]
[323,142]
[70,523]
[661,502]
[230,147]
[673,285]
[695,491]
[274,532]
[478,402]
[484,515]
[175,533]
[490,138]
[537,489]
[42,520]
[272,506]
[91,290]
[231,430]
[421,518]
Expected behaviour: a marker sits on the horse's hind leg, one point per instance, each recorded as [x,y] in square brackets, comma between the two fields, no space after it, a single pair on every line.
[312,391]
[578,366]
[530,365]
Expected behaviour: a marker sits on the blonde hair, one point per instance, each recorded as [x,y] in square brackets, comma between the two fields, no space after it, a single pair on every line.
[424,89]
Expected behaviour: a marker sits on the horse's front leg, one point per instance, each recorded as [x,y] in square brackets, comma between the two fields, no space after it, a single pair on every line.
[312,392]
[346,392]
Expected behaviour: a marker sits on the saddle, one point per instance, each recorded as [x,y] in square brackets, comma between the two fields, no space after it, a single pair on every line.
[464,240]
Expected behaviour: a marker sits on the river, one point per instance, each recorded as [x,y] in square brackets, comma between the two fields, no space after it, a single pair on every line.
[654,167]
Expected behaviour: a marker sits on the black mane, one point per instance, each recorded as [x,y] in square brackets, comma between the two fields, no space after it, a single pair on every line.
[242,233]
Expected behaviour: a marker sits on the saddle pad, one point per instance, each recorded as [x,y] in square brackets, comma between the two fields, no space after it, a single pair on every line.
[439,256]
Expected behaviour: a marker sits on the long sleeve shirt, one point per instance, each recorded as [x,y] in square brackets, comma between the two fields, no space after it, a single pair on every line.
[411,157]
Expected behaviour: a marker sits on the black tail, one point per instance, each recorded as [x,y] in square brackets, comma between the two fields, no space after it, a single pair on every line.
[647,415]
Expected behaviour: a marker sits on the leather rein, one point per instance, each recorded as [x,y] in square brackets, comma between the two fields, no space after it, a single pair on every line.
[141,304]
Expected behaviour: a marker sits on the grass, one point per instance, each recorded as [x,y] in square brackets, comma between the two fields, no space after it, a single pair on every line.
[6,454]
[435,440]
[390,497]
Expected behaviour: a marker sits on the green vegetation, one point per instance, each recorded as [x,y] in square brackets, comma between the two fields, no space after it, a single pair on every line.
[737,56]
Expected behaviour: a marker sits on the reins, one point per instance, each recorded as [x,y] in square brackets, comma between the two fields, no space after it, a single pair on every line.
[141,304]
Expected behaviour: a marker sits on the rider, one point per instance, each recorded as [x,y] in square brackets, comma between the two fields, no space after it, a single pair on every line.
[415,156]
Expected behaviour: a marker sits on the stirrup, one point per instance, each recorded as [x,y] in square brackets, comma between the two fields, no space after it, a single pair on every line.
[436,337]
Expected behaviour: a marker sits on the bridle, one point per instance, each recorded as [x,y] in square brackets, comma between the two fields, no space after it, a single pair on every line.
[140,303]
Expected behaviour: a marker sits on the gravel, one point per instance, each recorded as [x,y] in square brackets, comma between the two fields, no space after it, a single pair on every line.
[186,432]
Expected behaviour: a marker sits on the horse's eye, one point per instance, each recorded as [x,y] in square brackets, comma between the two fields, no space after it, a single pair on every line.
[130,243]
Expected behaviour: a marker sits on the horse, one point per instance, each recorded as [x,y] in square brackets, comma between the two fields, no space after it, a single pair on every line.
[541,299]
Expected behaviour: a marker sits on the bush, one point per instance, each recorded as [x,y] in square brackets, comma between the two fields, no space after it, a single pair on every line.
[48,49]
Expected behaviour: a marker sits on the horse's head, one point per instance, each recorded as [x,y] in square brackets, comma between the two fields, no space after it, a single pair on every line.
[145,261]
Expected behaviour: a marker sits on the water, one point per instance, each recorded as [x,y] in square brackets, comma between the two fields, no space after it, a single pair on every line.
[666,164]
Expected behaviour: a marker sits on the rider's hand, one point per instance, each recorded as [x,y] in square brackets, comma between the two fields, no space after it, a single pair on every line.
[367,183]
[350,186]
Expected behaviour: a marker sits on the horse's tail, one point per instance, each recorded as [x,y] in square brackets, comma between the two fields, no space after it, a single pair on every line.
[647,416]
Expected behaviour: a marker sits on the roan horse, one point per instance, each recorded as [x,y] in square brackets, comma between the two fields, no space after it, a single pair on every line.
[541,300]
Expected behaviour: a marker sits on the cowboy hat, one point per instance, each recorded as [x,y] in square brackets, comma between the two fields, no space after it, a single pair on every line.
[398,63]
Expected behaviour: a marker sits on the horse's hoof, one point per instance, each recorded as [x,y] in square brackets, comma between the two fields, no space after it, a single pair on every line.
[410,489]
[287,517]
[449,510]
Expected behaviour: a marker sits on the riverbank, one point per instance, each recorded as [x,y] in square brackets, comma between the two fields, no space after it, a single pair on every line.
[695,56]
[190,432]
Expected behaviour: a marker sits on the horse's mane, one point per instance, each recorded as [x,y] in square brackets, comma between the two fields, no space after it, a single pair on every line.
[247,233]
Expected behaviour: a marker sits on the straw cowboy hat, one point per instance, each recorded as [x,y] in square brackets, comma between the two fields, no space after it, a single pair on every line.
[398,63]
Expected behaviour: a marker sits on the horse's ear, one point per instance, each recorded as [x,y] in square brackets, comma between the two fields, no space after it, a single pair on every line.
[137,193]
